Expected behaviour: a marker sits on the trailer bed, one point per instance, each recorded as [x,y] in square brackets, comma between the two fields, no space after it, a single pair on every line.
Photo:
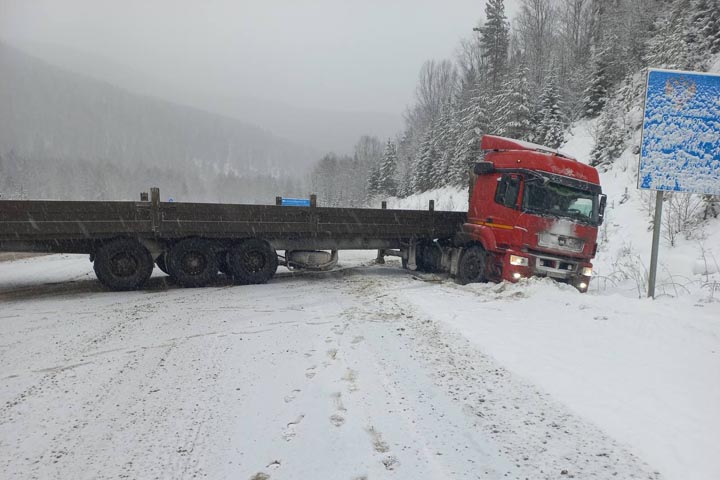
[78,226]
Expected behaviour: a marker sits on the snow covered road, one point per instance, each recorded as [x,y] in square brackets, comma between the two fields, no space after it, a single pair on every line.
[366,372]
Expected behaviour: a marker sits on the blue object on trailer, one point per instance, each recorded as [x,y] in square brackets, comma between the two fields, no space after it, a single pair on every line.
[295,202]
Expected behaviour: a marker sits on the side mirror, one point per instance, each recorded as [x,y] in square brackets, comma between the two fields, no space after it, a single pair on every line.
[601,210]
[484,168]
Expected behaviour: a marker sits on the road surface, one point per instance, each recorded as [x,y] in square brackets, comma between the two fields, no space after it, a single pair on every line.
[327,376]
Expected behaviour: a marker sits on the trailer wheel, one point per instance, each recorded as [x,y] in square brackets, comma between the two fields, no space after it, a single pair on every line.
[192,263]
[471,268]
[252,261]
[162,264]
[123,264]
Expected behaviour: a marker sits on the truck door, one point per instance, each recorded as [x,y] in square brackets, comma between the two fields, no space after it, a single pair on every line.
[506,210]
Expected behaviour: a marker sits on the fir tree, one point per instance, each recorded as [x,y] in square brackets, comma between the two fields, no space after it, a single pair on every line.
[423,175]
[405,163]
[373,182]
[596,93]
[445,142]
[551,129]
[515,115]
[611,138]
[467,149]
[386,184]
[495,40]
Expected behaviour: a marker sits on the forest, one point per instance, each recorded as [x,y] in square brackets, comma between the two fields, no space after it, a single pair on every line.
[528,77]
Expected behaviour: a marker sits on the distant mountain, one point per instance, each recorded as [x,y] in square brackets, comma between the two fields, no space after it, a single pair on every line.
[48,112]
[326,130]
[322,130]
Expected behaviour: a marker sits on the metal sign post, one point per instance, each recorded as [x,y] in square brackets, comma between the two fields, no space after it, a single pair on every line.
[655,243]
[680,141]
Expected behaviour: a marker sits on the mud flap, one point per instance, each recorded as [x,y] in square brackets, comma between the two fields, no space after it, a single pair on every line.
[455,254]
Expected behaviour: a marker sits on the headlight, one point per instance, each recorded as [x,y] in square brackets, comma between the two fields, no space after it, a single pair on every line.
[518,261]
[587,271]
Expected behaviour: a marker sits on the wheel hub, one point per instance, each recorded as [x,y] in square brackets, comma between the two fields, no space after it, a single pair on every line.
[194,263]
[124,265]
[255,261]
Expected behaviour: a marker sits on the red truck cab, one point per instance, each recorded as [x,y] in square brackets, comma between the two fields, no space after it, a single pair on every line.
[535,212]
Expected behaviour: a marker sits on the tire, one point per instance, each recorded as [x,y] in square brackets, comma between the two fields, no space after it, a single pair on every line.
[192,262]
[123,264]
[161,264]
[471,268]
[252,261]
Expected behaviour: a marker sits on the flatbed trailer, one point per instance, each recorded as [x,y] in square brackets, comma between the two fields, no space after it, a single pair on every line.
[116,232]
[533,211]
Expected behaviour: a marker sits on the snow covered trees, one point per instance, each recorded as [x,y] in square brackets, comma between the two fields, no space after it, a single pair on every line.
[705,25]
[561,61]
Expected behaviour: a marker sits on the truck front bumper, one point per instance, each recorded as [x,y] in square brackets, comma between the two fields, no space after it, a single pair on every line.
[574,271]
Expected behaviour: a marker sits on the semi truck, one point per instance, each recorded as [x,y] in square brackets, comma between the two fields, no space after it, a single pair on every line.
[532,211]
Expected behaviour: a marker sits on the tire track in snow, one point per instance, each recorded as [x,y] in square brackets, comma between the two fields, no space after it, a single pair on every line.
[538,434]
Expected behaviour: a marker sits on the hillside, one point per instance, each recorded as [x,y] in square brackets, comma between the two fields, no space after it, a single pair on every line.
[320,129]
[52,113]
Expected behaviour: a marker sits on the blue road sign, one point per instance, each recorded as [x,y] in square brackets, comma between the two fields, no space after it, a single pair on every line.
[681,133]
[295,202]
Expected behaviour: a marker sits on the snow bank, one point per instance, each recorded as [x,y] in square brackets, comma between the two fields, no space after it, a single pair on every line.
[447,198]
[644,371]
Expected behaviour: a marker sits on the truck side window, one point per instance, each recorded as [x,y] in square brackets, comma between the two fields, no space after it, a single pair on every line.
[507,191]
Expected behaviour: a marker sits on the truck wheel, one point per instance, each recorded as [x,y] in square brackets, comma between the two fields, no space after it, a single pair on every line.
[192,263]
[123,264]
[252,261]
[471,268]
[161,264]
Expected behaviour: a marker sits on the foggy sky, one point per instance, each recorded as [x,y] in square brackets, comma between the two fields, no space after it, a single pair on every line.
[328,54]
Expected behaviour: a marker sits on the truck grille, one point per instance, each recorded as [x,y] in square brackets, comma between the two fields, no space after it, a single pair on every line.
[555,267]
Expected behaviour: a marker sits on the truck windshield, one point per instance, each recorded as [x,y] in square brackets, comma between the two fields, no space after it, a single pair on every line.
[561,201]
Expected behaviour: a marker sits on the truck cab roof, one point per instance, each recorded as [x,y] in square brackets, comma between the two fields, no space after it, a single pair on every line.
[507,153]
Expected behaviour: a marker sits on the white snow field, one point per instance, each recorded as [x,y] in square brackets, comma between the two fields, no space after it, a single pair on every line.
[366,372]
